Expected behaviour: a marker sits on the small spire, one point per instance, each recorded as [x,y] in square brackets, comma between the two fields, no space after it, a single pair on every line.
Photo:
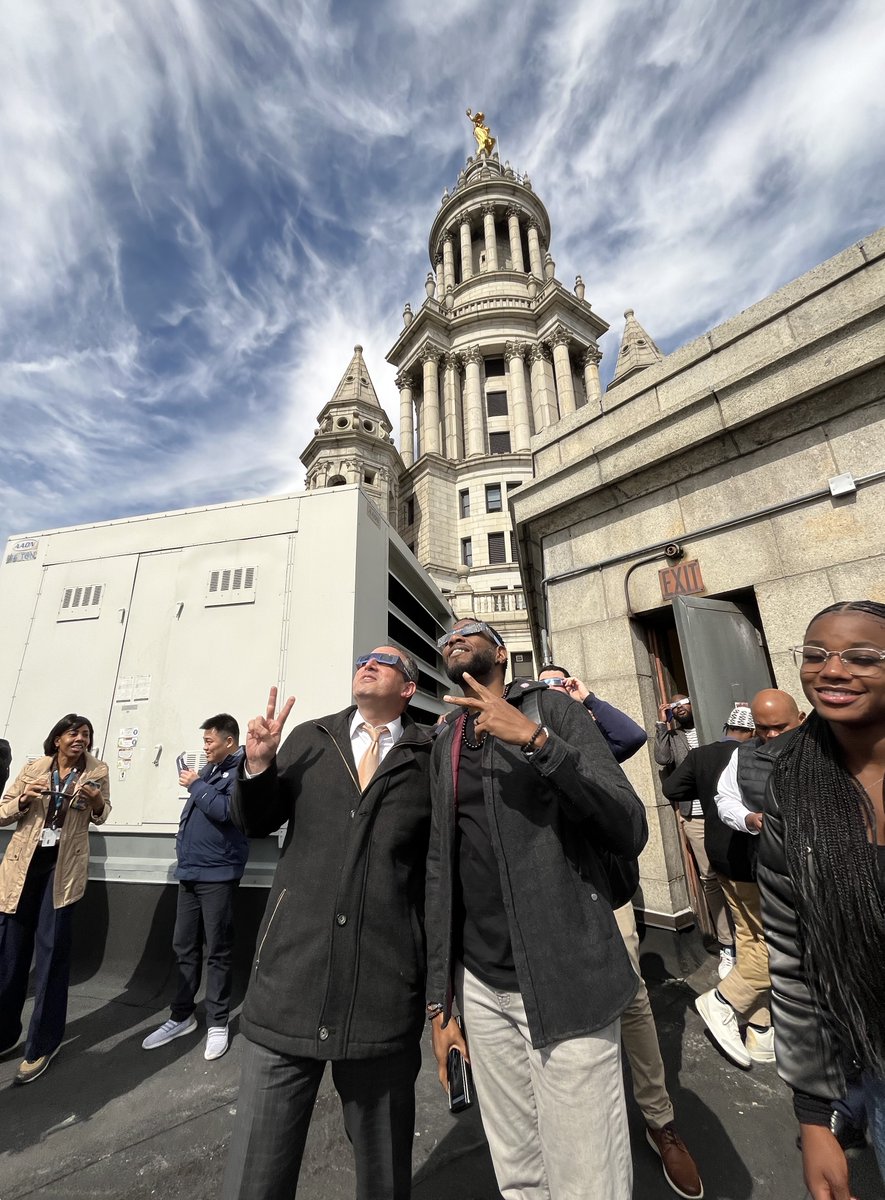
[355,382]
[637,351]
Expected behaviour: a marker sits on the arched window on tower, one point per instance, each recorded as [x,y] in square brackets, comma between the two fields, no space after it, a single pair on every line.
[336,481]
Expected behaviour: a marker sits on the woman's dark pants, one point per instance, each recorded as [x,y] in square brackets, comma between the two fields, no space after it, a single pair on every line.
[35,925]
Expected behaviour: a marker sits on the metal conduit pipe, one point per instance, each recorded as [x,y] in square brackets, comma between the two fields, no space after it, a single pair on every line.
[659,550]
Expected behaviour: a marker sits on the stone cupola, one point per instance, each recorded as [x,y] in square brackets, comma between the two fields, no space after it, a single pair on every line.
[352,442]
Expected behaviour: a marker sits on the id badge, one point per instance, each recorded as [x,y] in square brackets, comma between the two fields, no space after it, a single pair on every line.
[49,837]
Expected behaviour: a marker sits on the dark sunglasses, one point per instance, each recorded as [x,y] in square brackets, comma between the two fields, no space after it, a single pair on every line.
[387,660]
[468,631]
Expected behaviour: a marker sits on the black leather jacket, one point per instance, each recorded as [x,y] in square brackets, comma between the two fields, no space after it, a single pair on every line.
[808,1059]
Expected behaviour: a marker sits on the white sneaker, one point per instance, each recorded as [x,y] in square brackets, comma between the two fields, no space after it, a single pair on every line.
[216,1042]
[760,1046]
[721,1020]
[727,960]
[168,1032]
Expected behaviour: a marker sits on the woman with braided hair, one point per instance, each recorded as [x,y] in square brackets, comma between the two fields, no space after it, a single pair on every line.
[822,877]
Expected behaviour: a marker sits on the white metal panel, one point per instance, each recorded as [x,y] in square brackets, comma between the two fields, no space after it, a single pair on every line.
[193,660]
[68,666]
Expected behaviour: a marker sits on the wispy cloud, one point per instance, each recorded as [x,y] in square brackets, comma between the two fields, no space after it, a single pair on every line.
[204,206]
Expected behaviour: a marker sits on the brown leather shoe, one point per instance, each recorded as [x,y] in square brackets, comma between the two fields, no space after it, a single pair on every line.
[678,1165]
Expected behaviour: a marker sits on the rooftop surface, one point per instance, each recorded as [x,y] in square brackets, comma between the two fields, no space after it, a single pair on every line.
[110,1120]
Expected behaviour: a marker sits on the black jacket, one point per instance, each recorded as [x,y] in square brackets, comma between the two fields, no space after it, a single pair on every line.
[545,813]
[730,853]
[808,1057]
[340,962]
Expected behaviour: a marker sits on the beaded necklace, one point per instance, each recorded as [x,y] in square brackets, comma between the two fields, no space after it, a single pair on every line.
[468,742]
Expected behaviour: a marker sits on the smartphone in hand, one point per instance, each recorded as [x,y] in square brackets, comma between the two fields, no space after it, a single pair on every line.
[460,1081]
[181,762]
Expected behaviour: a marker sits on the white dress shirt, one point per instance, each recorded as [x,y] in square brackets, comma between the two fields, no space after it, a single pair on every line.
[360,739]
[730,802]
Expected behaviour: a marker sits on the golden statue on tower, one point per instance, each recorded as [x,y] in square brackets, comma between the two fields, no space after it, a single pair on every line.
[485,143]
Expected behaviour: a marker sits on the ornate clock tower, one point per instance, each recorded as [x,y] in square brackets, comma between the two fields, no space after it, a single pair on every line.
[498,351]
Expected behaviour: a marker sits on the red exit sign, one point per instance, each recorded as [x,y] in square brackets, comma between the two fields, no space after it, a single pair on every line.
[685,579]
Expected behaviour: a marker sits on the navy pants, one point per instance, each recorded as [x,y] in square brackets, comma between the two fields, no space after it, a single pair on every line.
[35,925]
[204,910]
[276,1102]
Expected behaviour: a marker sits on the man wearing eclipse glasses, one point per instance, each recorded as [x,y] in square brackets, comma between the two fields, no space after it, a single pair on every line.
[519,927]
[339,966]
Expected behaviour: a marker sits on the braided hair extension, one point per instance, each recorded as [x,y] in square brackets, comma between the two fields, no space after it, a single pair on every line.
[828,818]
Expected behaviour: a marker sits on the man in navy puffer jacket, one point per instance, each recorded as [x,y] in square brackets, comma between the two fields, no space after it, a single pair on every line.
[211,855]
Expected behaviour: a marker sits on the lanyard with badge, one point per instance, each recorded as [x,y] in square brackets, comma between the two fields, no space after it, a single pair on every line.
[54,817]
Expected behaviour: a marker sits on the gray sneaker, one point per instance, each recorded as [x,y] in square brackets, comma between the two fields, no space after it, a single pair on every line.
[216,1042]
[168,1032]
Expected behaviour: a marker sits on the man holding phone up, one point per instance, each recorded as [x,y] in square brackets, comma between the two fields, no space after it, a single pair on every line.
[212,856]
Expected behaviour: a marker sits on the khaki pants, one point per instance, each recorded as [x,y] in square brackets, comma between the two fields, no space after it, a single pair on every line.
[693,829]
[747,986]
[640,1038]
[555,1118]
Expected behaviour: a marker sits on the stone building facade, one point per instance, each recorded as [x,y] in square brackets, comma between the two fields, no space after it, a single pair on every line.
[756,455]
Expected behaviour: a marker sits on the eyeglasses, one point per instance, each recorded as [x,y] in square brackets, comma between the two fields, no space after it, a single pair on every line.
[387,660]
[864,660]
[467,631]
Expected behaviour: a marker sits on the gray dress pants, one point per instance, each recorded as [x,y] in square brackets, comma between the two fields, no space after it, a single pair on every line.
[275,1105]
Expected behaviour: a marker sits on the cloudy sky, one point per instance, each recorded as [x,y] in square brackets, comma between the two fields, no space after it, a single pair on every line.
[204,204]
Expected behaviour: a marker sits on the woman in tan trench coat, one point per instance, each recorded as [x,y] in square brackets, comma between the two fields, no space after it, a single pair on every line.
[43,874]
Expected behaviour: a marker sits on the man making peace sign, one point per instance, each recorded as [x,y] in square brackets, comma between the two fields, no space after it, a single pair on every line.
[518,921]
[339,964]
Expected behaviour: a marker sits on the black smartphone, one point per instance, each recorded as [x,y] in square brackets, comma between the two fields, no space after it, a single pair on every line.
[460,1080]
[181,762]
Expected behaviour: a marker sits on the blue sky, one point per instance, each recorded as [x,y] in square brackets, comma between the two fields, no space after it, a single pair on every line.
[204,204]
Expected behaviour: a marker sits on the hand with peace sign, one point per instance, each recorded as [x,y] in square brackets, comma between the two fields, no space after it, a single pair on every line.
[495,716]
[264,734]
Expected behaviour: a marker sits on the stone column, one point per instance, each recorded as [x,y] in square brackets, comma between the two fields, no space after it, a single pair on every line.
[439,267]
[466,251]
[488,221]
[515,240]
[514,352]
[448,260]
[536,261]
[543,399]
[473,422]
[406,419]
[592,385]
[454,445]
[565,387]
[430,405]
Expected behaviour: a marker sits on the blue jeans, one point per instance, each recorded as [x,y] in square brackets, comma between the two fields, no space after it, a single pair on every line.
[874,1094]
[35,923]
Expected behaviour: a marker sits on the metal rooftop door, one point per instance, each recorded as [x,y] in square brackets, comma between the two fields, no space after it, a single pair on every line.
[724,657]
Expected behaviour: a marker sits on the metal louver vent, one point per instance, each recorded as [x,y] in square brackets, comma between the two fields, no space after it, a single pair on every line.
[80,603]
[231,585]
